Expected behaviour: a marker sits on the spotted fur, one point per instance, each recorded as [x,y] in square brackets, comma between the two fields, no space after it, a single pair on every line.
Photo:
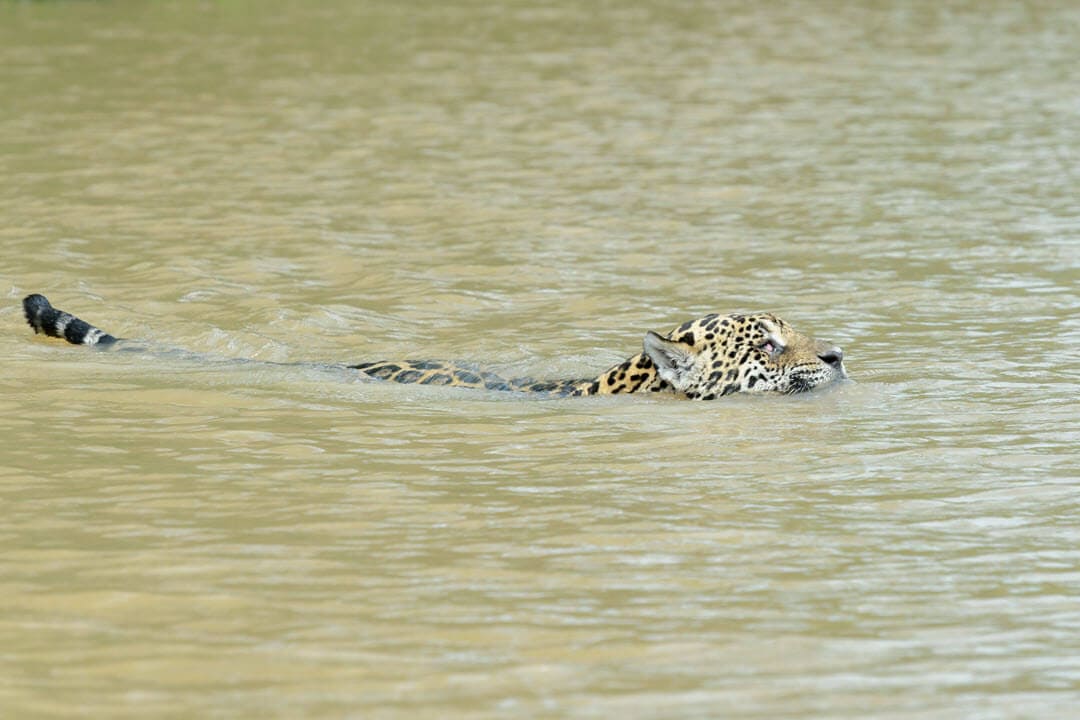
[701,359]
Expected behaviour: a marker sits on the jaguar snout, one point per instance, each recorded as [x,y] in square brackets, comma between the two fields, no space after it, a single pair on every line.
[833,357]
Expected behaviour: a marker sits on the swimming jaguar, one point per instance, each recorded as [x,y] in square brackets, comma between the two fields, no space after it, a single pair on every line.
[701,359]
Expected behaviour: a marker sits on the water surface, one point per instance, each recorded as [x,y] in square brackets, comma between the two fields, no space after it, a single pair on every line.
[533,188]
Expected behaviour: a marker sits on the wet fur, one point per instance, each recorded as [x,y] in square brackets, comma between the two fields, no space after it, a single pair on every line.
[702,359]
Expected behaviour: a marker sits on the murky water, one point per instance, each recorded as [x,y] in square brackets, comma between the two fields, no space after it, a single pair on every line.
[532,187]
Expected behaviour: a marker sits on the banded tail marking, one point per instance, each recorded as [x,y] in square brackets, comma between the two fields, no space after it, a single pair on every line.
[47,320]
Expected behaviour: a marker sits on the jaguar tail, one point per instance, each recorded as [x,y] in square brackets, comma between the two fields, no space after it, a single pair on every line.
[47,320]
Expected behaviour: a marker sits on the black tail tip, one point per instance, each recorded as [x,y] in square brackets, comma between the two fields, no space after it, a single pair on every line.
[33,307]
[47,320]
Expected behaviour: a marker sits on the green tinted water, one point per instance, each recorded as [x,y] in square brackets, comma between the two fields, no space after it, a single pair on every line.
[533,188]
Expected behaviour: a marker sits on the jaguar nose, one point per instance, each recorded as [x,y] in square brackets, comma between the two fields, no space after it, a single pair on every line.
[833,357]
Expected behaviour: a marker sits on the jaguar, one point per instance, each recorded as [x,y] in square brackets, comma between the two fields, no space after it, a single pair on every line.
[702,359]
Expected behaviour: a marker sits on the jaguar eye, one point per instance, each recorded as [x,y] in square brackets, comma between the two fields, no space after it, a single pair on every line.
[771,347]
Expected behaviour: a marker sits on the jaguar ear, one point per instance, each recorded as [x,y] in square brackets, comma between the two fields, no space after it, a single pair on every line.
[673,359]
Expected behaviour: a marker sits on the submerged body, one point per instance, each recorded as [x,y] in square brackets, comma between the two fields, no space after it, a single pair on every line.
[702,359]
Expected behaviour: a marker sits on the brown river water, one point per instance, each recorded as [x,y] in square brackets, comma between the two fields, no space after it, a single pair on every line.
[532,187]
